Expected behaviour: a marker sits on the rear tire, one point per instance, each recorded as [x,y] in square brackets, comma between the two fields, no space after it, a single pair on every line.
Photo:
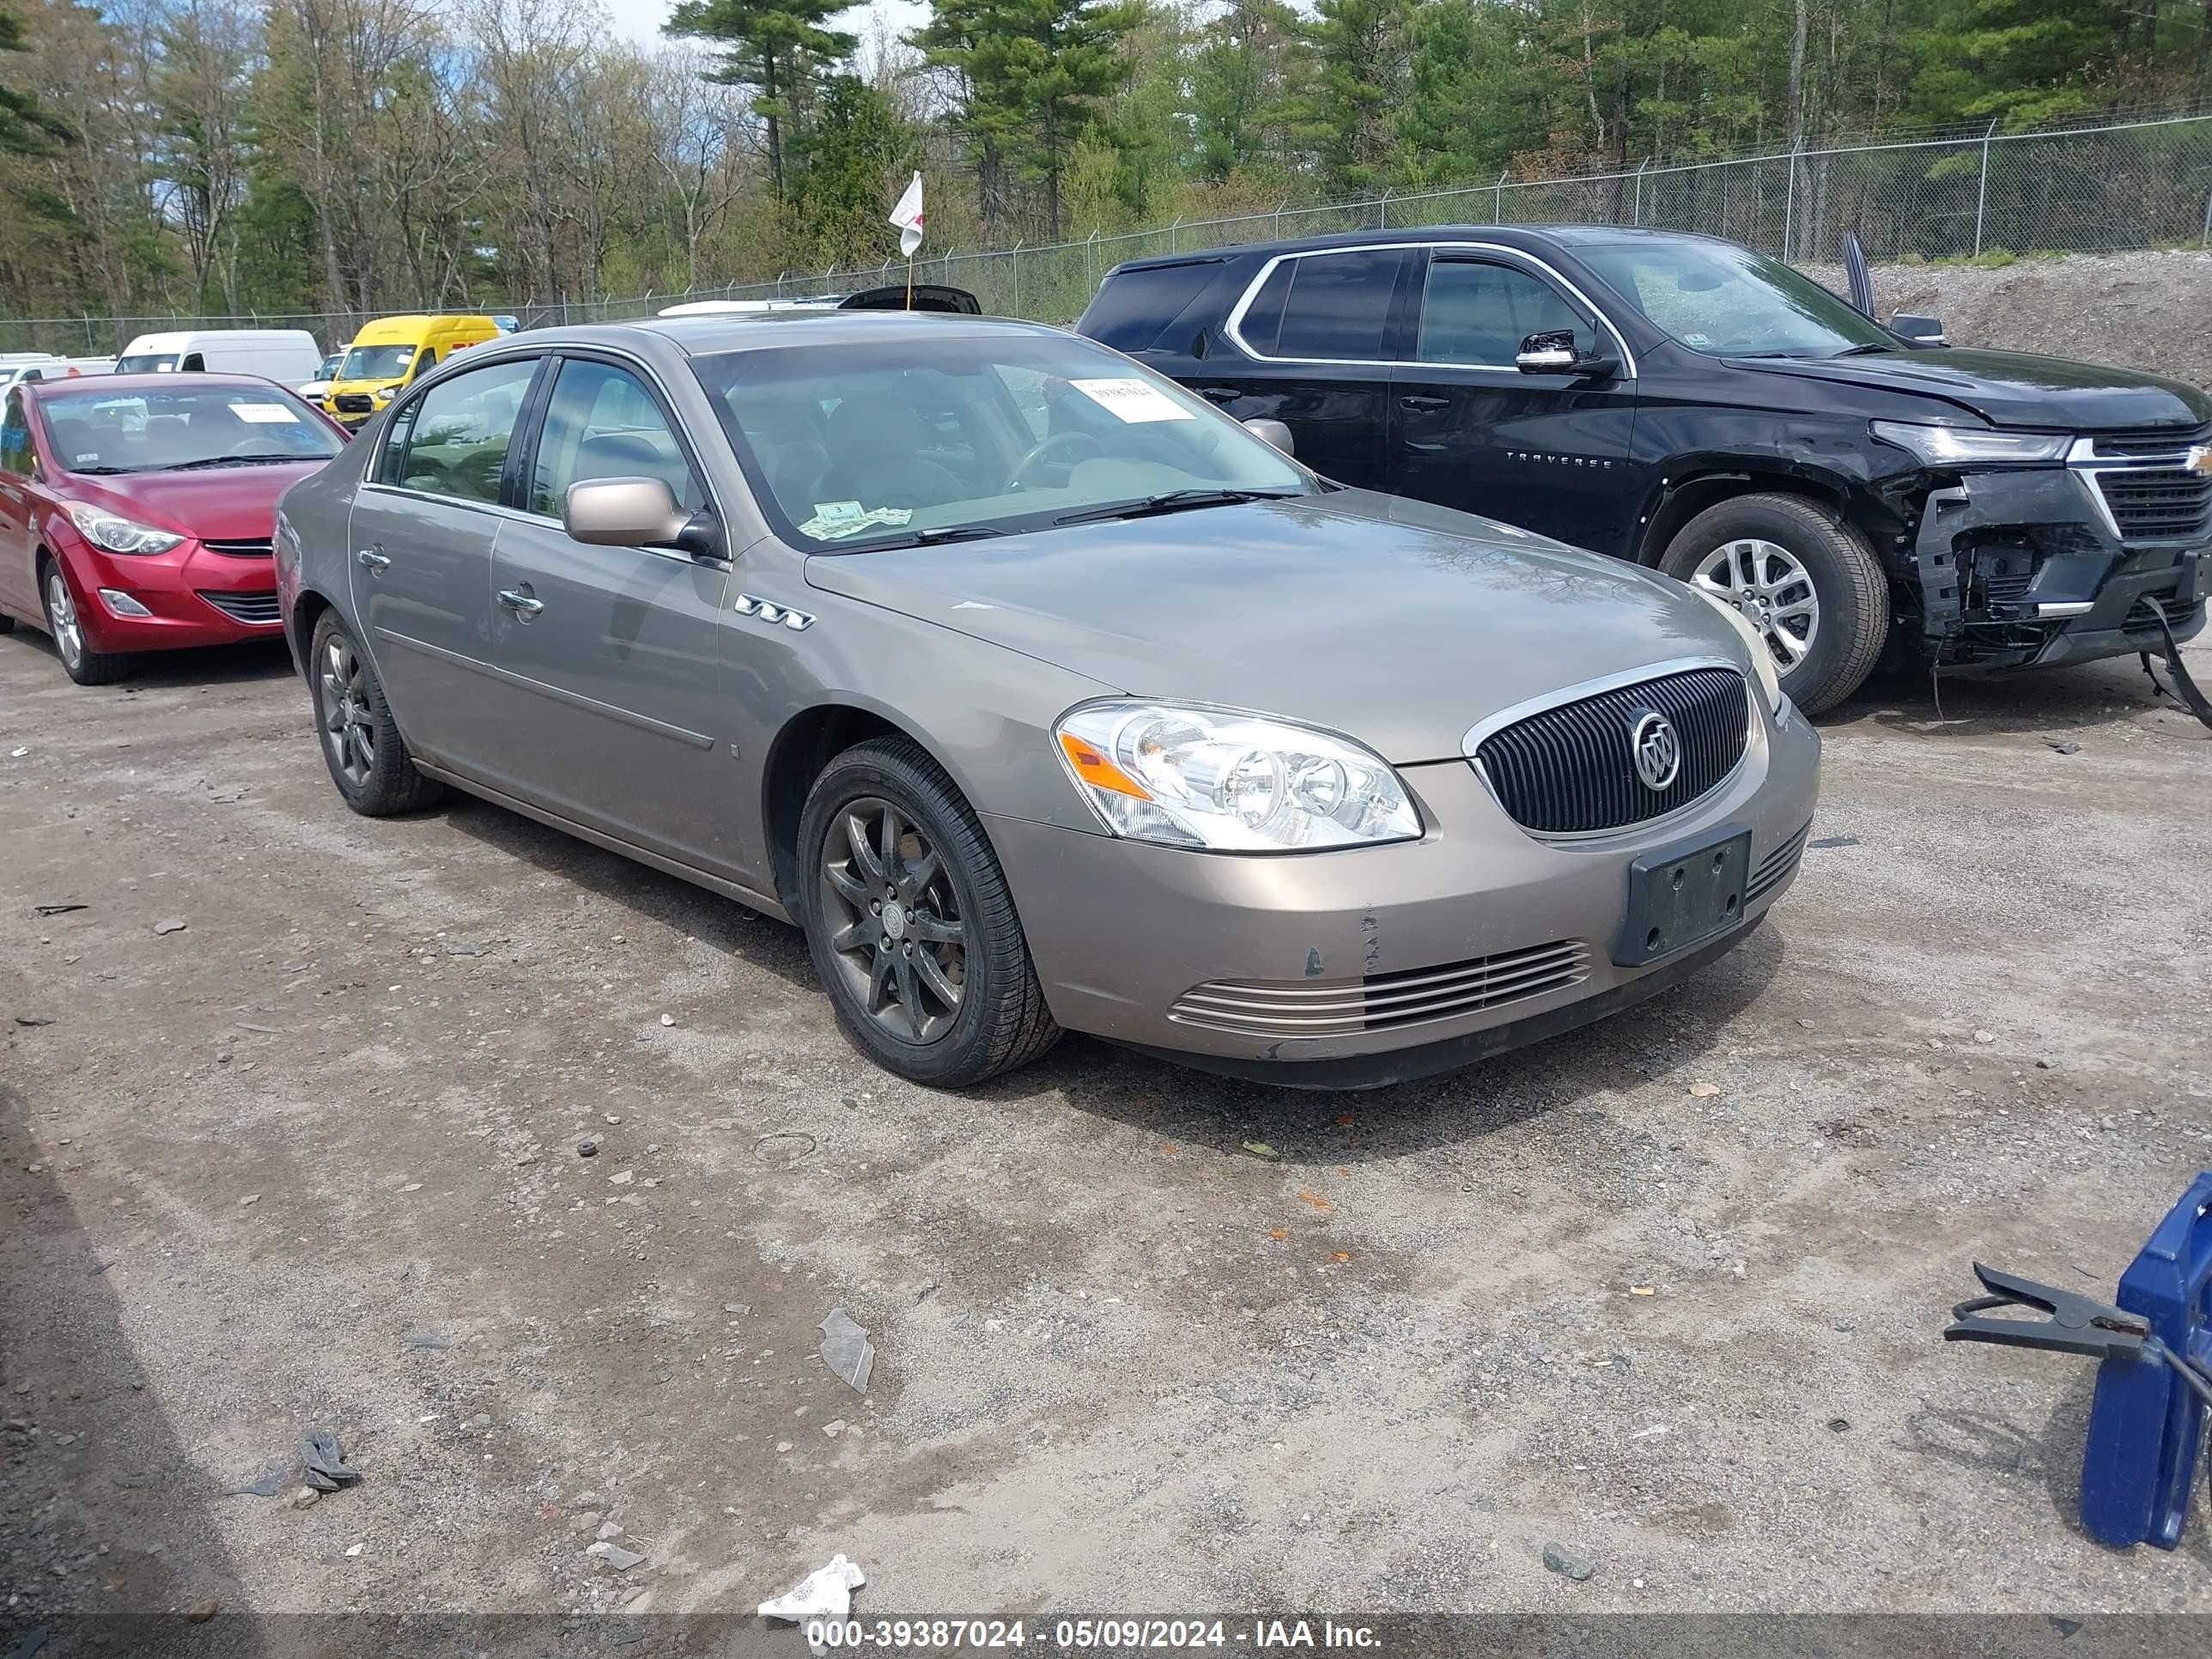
[79,660]
[1805,580]
[904,900]
[361,745]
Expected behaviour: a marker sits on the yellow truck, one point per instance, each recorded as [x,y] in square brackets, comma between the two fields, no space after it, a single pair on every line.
[389,352]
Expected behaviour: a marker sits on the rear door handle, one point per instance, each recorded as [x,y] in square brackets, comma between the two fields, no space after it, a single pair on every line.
[521,604]
[1423,402]
[1220,394]
[370,559]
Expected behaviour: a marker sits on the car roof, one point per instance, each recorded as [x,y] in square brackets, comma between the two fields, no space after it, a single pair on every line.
[707,336]
[403,330]
[175,340]
[1530,237]
[124,385]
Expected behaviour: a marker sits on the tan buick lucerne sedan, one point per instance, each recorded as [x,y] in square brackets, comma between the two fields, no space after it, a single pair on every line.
[1042,695]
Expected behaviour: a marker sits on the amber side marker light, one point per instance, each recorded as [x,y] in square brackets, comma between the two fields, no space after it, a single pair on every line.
[1095,770]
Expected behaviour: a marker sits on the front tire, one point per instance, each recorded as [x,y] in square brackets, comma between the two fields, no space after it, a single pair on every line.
[910,922]
[361,741]
[1805,581]
[79,660]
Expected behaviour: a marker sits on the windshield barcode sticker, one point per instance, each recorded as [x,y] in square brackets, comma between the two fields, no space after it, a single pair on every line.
[265,414]
[1133,400]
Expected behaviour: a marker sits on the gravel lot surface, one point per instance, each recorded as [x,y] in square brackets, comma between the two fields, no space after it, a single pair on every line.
[2132,310]
[311,1160]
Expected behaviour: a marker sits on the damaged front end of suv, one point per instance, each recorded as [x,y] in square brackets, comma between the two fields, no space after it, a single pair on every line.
[2030,549]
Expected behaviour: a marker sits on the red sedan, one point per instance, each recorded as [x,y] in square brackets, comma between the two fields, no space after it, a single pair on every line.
[135,511]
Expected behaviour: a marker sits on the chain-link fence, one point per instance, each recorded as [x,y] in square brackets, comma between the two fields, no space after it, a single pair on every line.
[2126,184]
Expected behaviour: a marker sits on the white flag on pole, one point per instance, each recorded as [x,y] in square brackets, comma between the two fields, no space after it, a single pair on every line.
[907,217]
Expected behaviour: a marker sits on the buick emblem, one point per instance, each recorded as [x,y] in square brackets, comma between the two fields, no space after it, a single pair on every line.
[1656,751]
[2199,460]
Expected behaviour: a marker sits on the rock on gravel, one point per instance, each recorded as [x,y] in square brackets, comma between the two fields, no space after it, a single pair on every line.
[1565,1562]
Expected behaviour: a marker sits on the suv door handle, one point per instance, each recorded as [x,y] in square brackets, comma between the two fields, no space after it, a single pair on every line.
[370,559]
[521,604]
[1220,394]
[1423,402]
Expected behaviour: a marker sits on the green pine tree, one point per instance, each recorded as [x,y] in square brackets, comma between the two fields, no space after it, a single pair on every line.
[778,47]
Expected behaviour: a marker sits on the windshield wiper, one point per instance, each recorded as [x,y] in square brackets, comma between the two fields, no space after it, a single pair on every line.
[206,461]
[958,533]
[1174,501]
[1870,347]
[103,472]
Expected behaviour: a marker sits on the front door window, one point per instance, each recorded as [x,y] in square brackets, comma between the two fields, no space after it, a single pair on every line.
[1477,313]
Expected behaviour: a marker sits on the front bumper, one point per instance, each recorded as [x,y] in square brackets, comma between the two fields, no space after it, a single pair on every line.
[1124,933]
[194,596]
[2027,569]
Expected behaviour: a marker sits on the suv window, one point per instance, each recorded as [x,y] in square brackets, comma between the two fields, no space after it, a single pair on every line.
[603,423]
[455,437]
[1135,308]
[16,455]
[1478,313]
[1329,307]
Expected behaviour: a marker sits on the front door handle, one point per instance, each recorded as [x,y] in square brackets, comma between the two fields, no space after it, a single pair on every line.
[1220,394]
[521,604]
[370,559]
[1420,403]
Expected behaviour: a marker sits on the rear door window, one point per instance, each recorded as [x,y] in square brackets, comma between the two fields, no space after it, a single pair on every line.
[455,437]
[1333,308]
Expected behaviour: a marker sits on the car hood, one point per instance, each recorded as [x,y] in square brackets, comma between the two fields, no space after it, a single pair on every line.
[226,504]
[1393,622]
[2011,388]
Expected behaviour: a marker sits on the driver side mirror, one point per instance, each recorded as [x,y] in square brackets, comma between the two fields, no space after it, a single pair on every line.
[1273,432]
[635,513]
[1555,353]
[1921,330]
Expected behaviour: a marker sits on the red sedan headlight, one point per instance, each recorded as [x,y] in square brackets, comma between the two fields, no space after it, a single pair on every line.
[114,534]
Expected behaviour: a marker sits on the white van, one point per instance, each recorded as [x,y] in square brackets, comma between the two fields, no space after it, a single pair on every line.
[288,356]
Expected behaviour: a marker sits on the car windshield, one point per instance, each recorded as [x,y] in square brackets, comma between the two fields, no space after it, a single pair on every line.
[195,426]
[1728,301]
[922,435]
[376,362]
[146,362]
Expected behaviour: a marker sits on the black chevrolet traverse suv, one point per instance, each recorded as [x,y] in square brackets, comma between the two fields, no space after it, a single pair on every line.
[1690,404]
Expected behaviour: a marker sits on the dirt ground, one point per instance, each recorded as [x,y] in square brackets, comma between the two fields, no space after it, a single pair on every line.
[311,1160]
[2136,310]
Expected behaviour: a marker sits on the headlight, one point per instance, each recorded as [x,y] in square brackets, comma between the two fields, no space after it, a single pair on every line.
[1952,446]
[1762,656]
[1231,782]
[104,530]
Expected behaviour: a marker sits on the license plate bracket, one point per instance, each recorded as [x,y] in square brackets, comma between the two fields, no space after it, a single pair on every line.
[1684,894]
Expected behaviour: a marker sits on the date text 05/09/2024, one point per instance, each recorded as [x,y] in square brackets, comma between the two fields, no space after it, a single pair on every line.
[1088,1635]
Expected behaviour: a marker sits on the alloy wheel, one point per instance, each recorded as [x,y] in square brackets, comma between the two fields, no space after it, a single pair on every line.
[1766,585]
[346,714]
[61,609]
[895,928]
